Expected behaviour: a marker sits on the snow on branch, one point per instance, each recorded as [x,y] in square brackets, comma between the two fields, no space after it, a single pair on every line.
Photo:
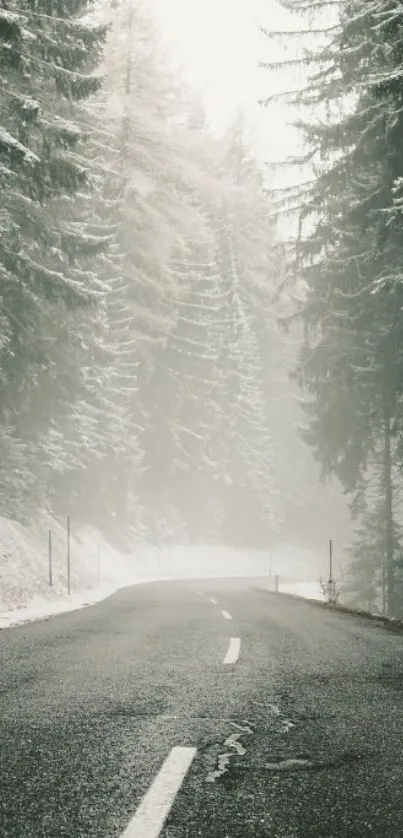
[8,143]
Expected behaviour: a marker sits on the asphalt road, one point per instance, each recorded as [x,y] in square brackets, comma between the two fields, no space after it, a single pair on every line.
[301,737]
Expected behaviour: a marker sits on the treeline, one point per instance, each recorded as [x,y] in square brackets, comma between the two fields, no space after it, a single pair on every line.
[348,254]
[136,262]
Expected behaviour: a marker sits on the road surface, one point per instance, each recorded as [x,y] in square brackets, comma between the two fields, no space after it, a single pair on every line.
[201,709]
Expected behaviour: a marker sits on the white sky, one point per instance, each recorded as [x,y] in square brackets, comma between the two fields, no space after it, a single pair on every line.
[218,44]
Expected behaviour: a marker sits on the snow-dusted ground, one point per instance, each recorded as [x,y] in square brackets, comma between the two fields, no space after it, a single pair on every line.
[308,590]
[40,607]
[25,593]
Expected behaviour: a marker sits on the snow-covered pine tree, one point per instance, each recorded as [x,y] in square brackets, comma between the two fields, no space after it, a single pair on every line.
[48,54]
[248,493]
[212,451]
[140,114]
[146,200]
[186,396]
[350,252]
[244,237]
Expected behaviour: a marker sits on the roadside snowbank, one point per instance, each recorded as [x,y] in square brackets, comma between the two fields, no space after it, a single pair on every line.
[39,607]
[307,590]
[25,592]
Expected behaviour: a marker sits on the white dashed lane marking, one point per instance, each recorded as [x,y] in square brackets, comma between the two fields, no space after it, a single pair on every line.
[226,615]
[233,650]
[157,802]
[214,601]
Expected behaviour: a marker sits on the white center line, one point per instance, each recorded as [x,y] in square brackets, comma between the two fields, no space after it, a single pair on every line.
[214,601]
[233,650]
[226,615]
[157,803]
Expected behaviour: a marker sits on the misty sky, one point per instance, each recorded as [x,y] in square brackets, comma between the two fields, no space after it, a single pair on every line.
[218,45]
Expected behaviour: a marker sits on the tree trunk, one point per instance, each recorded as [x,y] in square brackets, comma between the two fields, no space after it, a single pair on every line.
[126,119]
[388,495]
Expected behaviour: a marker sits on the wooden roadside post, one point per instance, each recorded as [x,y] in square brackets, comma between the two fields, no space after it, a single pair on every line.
[68,557]
[50,557]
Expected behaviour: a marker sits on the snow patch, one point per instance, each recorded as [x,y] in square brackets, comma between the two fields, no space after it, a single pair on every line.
[25,591]
[306,590]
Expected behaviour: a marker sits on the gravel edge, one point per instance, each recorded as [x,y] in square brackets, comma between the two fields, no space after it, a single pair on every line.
[389,623]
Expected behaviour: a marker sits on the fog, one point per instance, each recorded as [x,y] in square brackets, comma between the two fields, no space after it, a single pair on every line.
[160,382]
[201,418]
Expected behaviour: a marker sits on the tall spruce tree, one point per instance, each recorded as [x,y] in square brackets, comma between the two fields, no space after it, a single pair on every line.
[48,57]
[350,250]
[212,453]
[148,170]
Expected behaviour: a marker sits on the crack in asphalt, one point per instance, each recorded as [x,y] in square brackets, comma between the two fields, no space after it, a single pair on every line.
[306,762]
[233,742]
[286,724]
[290,762]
